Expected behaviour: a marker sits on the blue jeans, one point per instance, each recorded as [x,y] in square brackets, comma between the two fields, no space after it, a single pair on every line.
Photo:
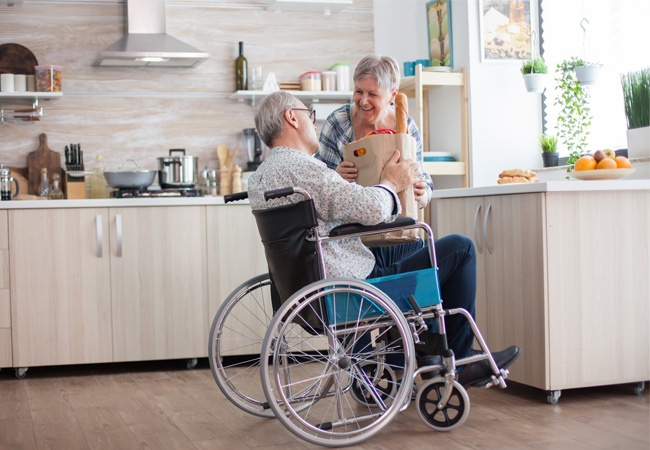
[456,273]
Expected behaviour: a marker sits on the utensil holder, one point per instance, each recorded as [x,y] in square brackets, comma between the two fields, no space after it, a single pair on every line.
[224,184]
[74,187]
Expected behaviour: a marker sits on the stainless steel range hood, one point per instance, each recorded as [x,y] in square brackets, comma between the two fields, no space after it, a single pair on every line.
[146,43]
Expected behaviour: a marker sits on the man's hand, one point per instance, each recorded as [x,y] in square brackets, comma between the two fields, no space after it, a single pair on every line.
[348,171]
[399,175]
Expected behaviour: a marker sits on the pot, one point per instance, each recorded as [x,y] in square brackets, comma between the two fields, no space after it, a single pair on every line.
[178,171]
[130,179]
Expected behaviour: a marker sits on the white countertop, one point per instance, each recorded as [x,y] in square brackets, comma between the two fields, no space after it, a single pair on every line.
[117,202]
[549,186]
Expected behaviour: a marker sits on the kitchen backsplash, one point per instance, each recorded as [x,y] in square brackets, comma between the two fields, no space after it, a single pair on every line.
[141,113]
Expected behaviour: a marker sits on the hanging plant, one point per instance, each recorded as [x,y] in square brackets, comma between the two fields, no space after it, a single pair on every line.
[574,117]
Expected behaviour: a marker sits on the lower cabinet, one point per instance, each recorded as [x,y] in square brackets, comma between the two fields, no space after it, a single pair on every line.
[564,275]
[235,252]
[6,357]
[60,286]
[158,282]
[91,285]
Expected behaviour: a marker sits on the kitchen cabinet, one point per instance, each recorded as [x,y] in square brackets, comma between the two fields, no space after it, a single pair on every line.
[562,274]
[5,295]
[235,252]
[418,87]
[60,286]
[159,282]
[92,285]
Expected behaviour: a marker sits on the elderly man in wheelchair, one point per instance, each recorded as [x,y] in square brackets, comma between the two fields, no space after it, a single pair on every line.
[344,330]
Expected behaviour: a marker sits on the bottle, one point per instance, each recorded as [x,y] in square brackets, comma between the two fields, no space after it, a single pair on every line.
[44,186]
[97,180]
[241,70]
[56,193]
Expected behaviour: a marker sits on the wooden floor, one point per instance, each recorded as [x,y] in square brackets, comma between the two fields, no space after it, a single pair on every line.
[162,405]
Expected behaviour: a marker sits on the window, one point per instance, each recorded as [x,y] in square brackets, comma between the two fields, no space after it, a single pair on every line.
[616,37]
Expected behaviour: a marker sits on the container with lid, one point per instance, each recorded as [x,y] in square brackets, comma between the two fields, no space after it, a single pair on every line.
[329,80]
[48,78]
[310,81]
[342,70]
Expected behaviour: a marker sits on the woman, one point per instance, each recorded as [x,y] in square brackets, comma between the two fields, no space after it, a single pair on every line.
[376,83]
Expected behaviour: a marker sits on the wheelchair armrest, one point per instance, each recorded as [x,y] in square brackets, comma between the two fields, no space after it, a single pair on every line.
[352,228]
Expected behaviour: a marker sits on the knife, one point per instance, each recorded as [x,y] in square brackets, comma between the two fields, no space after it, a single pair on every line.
[67,158]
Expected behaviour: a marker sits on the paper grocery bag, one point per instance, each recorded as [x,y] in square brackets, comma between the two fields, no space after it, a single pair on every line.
[370,155]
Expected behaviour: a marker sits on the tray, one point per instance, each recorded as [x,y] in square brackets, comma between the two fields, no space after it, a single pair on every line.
[601,174]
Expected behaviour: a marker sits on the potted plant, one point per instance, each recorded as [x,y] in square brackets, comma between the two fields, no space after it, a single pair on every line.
[636,96]
[574,117]
[534,72]
[586,73]
[549,150]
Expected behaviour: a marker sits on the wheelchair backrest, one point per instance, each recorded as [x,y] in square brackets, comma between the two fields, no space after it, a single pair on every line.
[292,258]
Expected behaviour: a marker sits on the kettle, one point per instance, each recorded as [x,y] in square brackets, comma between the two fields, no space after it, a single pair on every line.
[5,184]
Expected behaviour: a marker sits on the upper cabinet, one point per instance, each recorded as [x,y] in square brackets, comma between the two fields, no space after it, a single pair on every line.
[418,87]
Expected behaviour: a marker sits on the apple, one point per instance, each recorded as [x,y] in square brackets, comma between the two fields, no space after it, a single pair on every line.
[599,155]
[609,153]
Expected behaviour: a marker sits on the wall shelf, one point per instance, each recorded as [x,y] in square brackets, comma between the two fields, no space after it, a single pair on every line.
[309,96]
[28,102]
[27,98]
[418,87]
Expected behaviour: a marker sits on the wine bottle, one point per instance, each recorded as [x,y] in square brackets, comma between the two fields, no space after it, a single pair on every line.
[241,70]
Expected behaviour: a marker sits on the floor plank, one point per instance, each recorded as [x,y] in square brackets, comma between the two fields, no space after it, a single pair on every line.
[162,405]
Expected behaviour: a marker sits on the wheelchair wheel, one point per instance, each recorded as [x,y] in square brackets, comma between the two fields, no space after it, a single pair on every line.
[235,345]
[319,347]
[452,415]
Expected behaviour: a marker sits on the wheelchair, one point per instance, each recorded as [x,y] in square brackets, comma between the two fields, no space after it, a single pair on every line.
[333,359]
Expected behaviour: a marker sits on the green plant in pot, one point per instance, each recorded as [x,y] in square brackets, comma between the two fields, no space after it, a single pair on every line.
[548,143]
[574,117]
[535,73]
[636,96]
[586,72]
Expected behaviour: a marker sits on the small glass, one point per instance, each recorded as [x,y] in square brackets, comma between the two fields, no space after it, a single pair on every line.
[257,78]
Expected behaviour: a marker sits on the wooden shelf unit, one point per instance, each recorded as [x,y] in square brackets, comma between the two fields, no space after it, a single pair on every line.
[418,87]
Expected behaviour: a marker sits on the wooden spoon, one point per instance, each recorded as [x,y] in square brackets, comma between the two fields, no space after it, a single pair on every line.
[223,153]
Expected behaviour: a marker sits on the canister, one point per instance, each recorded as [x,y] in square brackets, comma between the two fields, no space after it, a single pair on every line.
[329,80]
[310,81]
[342,70]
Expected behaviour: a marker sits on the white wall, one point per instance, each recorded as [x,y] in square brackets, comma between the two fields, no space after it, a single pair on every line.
[505,121]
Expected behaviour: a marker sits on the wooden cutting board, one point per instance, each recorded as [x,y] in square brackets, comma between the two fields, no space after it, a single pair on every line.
[43,157]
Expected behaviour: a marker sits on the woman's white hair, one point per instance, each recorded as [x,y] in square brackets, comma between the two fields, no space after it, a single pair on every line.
[383,69]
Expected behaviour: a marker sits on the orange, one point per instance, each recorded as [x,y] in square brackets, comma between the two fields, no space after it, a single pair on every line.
[606,163]
[586,162]
[622,162]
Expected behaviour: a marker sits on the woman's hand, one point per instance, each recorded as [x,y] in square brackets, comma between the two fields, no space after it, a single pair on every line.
[348,171]
[420,191]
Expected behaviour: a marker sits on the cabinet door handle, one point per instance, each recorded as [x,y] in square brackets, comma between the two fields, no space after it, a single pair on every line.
[485,229]
[100,236]
[476,240]
[118,232]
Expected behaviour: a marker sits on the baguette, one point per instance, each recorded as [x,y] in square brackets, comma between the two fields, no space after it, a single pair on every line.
[518,173]
[401,113]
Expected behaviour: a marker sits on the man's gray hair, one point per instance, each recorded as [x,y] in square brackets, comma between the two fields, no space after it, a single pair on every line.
[383,69]
[269,119]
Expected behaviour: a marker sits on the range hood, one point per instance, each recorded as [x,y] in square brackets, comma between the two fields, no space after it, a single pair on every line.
[146,43]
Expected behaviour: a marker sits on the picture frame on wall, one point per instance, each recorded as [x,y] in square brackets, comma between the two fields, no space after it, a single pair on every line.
[439,33]
[507,28]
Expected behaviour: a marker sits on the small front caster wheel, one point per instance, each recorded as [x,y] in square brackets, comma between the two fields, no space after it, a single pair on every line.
[21,373]
[451,415]
[191,363]
[553,397]
[639,388]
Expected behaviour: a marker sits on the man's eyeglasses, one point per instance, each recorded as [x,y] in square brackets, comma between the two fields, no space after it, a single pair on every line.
[312,113]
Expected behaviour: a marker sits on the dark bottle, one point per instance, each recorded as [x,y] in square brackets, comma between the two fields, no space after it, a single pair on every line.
[241,70]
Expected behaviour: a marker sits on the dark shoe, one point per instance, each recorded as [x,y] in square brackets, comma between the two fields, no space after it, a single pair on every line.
[429,360]
[479,373]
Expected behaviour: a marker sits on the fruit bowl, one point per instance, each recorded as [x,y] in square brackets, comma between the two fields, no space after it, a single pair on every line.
[601,174]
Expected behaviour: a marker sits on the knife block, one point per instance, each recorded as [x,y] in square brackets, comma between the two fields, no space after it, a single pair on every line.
[75,187]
